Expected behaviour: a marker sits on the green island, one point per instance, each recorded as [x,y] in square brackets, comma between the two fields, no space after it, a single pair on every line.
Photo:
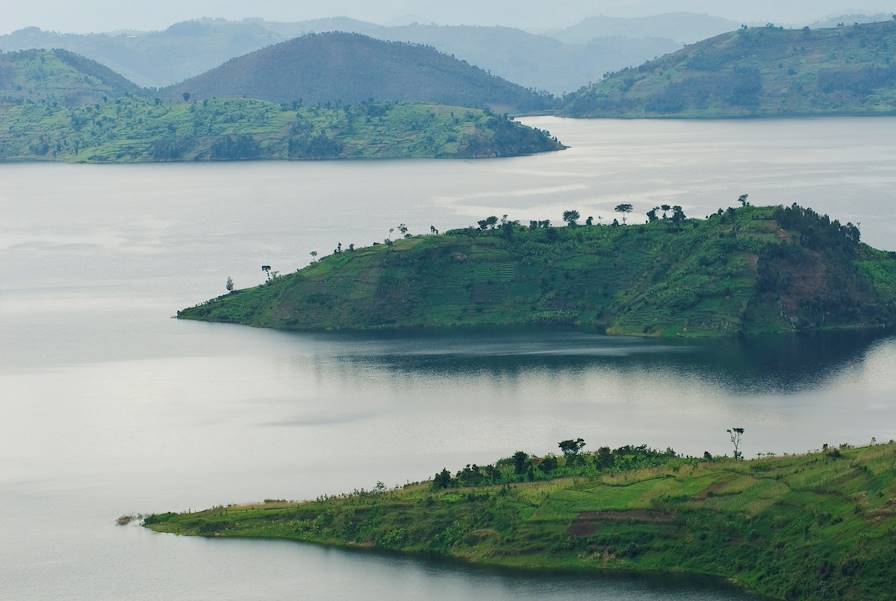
[132,129]
[756,72]
[817,526]
[744,271]
[58,106]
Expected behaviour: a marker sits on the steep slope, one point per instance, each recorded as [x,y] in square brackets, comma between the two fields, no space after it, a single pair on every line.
[350,68]
[189,48]
[749,271]
[135,129]
[58,76]
[756,72]
[813,527]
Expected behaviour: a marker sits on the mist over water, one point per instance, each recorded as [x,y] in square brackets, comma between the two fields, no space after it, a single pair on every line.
[111,407]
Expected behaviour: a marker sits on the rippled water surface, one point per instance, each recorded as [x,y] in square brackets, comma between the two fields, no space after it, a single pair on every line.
[110,407]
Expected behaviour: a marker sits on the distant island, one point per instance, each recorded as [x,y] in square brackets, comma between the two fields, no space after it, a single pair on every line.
[58,106]
[756,72]
[812,527]
[745,271]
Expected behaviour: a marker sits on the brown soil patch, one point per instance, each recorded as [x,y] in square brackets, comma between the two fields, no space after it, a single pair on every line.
[588,522]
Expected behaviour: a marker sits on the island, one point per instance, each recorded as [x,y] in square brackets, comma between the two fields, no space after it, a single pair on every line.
[59,106]
[741,271]
[811,527]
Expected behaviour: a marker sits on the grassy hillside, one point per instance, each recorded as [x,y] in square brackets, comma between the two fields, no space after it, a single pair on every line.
[350,68]
[746,271]
[810,527]
[58,77]
[134,129]
[756,72]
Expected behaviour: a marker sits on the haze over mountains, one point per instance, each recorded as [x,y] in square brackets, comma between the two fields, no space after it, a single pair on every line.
[558,63]
[352,68]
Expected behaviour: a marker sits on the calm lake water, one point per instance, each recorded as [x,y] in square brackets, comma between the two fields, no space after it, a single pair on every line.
[111,407]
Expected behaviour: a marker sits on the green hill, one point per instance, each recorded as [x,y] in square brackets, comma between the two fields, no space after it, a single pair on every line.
[746,271]
[765,71]
[58,77]
[130,129]
[350,68]
[814,527]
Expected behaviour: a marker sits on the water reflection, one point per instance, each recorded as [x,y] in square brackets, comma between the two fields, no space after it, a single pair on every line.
[770,364]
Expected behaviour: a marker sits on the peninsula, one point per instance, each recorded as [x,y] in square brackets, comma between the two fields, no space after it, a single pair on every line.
[812,527]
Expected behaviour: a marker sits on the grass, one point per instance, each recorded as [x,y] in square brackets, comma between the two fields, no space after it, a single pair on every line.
[756,72]
[137,129]
[741,272]
[818,526]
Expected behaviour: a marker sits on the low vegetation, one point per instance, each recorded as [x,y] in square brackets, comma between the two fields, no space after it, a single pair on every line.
[759,71]
[818,526]
[750,270]
[131,128]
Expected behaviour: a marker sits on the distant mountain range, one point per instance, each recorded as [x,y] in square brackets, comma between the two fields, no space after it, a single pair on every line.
[186,49]
[351,68]
[766,71]
[681,27]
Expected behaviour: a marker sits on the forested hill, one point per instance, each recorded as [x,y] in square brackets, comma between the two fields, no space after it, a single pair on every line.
[746,271]
[765,71]
[351,68]
[59,77]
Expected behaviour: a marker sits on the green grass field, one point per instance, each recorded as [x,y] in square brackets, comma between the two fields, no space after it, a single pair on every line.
[749,271]
[819,526]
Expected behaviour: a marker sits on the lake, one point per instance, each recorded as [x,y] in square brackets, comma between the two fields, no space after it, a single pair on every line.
[111,407]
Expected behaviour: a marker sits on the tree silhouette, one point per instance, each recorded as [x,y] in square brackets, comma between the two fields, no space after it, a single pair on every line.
[743,199]
[624,208]
[571,217]
[665,209]
[590,220]
[736,434]
[229,284]
[313,256]
[267,272]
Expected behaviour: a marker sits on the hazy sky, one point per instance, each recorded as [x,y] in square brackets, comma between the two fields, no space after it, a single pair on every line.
[104,15]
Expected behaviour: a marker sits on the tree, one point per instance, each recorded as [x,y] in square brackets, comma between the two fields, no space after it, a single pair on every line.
[735,434]
[267,272]
[433,230]
[571,447]
[487,223]
[665,209]
[313,256]
[624,208]
[589,221]
[229,284]
[651,215]
[743,199]
[678,215]
[442,479]
[520,462]
[605,457]
[186,96]
[571,217]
